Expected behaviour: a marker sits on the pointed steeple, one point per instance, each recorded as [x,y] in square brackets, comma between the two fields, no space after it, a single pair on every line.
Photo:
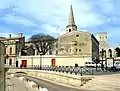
[71,17]
[71,22]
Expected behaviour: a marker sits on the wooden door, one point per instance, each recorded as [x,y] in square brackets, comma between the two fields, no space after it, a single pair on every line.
[53,62]
[24,63]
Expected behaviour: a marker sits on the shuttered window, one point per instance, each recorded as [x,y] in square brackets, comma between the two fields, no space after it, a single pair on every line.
[10,50]
[4,51]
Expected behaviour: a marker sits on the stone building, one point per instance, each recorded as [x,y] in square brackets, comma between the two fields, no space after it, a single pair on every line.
[13,46]
[108,52]
[74,47]
[103,44]
[28,50]
[75,42]
[102,37]
[113,52]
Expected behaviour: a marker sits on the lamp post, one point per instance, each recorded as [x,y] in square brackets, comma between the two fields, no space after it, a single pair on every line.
[32,62]
[40,62]
[102,55]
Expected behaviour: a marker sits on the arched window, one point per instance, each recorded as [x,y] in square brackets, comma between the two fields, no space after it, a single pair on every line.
[4,61]
[117,52]
[76,50]
[110,53]
[69,30]
[16,63]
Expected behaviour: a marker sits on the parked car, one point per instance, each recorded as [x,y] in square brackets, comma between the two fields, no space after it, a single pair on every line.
[92,64]
[116,66]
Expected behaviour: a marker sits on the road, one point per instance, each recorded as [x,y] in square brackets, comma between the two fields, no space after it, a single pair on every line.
[51,86]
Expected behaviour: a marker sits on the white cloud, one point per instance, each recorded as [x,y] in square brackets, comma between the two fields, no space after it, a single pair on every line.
[54,13]
[52,30]
[17,19]
[4,4]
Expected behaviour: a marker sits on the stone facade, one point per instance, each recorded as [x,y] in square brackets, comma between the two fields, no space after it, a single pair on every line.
[2,70]
[13,46]
[76,42]
[103,44]
[47,60]
[103,40]
[108,52]
[73,47]
[55,77]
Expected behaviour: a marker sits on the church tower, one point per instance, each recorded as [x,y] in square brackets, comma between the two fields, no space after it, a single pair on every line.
[71,23]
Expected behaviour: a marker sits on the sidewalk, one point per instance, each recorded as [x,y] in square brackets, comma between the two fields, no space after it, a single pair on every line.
[14,84]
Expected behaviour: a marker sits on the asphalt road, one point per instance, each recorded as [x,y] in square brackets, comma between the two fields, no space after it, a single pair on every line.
[52,86]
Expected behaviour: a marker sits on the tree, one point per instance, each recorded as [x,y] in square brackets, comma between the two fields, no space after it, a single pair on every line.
[43,43]
[117,52]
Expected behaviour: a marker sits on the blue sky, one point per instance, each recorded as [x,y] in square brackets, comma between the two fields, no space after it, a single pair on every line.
[51,17]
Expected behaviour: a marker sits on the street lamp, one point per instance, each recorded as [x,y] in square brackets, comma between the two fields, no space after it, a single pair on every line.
[40,62]
[102,55]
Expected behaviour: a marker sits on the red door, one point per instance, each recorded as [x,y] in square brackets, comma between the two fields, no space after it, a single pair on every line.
[53,62]
[24,63]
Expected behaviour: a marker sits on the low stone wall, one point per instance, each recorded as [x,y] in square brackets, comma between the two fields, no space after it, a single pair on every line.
[62,78]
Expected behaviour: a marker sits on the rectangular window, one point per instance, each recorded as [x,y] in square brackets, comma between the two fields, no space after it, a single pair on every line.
[56,51]
[56,45]
[50,52]
[10,50]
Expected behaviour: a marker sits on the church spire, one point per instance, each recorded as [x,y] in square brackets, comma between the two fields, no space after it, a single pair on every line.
[71,22]
[71,17]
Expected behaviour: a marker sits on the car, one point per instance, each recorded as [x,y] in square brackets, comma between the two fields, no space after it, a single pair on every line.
[92,64]
[117,65]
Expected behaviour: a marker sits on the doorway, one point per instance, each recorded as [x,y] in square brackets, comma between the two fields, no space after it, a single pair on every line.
[16,63]
[10,62]
[24,63]
[53,62]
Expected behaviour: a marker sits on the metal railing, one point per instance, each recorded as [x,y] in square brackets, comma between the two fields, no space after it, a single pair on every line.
[80,70]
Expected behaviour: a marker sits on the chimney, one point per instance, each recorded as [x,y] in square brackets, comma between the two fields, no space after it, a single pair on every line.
[9,35]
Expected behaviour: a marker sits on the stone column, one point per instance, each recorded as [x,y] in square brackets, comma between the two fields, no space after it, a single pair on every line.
[35,52]
[19,54]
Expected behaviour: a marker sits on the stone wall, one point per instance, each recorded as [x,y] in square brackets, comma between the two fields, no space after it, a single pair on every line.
[56,77]
[60,60]
[2,74]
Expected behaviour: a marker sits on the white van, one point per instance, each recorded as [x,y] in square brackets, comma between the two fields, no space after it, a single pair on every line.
[92,64]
